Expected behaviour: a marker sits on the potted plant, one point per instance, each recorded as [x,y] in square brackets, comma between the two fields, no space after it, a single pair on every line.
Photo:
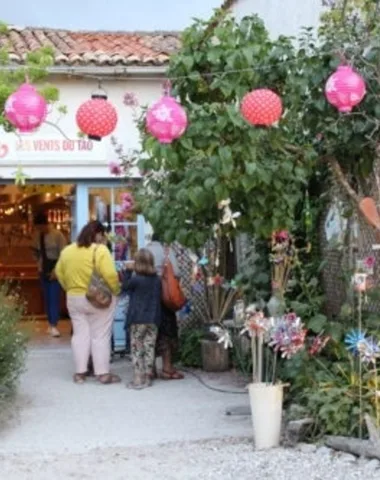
[218,296]
[270,337]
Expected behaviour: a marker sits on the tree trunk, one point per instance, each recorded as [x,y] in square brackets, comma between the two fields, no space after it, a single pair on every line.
[362,448]
[355,446]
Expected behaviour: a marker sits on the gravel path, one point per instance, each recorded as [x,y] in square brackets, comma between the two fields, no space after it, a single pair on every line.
[64,431]
[222,459]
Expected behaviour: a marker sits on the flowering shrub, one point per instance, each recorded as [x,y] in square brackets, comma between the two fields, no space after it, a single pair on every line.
[12,341]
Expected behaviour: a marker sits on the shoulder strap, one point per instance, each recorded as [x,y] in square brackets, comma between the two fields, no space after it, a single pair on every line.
[166,254]
[94,258]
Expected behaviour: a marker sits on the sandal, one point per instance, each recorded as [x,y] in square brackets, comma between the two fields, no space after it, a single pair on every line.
[174,375]
[108,378]
[79,378]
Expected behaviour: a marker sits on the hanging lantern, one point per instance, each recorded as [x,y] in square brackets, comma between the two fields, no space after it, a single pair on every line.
[345,89]
[97,117]
[261,107]
[25,109]
[166,120]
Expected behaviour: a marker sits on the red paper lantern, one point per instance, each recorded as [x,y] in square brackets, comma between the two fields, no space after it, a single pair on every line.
[261,107]
[97,117]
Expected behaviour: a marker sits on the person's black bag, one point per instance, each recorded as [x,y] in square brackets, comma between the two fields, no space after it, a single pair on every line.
[48,265]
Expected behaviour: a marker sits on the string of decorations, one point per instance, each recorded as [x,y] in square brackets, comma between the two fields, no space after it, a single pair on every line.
[166,119]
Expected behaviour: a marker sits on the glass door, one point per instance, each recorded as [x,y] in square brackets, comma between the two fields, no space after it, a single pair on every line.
[104,203]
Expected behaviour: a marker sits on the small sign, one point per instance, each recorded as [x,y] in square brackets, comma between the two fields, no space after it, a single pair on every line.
[40,150]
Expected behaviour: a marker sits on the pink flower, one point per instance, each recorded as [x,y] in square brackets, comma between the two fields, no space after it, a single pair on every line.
[127,202]
[115,168]
[318,344]
[281,236]
[369,261]
[291,317]
[130,100]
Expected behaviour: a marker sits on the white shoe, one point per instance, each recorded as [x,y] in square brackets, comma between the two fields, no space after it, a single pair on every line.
[54,332]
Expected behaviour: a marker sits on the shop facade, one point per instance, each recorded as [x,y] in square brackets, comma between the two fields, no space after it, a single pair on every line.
[69,178]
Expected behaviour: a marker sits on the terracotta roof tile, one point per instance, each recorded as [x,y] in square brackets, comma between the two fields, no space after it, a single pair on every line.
[93,48]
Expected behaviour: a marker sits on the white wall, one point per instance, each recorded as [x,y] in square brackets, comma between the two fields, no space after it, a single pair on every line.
[281,17]
[79,165]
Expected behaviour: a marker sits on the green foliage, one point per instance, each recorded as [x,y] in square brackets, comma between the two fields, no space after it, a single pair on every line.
[190,347]
[12,342]
[34,69]
[253,277]
[328,389]
[263,171]
[221,156]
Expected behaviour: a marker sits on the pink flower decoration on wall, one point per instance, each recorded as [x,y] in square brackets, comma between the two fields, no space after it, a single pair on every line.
[166,120]
[345,89]
[26,109]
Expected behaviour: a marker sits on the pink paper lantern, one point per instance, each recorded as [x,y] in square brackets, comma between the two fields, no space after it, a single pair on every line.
[261,107]
[345,89]
[25,109]
[166,120]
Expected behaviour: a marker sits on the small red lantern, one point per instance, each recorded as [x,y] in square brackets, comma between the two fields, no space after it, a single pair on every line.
[261,107]
[97,117]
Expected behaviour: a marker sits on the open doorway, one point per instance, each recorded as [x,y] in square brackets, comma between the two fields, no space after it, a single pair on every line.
[18,206]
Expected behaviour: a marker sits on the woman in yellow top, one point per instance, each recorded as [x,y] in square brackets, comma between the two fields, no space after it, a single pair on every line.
[92,327]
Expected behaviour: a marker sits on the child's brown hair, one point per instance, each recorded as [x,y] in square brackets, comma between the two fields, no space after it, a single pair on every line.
[144,262]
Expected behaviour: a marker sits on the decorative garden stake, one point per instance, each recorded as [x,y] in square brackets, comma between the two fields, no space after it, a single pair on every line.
[97,117]
[166,120]
[26,109]
[345,89]
[261,107]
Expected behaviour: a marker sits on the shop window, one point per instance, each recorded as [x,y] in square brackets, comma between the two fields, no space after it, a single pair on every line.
[105,205]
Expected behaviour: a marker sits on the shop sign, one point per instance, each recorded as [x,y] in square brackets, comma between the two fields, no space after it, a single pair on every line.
[36,150]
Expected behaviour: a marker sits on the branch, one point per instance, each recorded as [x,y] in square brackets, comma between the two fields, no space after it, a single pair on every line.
[58,128]
[342,180]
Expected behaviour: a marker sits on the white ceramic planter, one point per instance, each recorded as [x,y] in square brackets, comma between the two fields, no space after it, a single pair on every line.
[266,409]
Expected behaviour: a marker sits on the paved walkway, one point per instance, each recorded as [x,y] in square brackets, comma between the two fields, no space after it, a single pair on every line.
[57,416]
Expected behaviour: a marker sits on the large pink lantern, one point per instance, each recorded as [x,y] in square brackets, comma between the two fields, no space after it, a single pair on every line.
[345,89]
[166,120]
[25,109]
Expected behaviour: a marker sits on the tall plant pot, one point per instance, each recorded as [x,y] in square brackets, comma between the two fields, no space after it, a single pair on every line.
[266,409]
[215,358]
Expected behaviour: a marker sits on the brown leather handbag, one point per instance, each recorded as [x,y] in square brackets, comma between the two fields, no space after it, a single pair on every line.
[98,293]
[172,294]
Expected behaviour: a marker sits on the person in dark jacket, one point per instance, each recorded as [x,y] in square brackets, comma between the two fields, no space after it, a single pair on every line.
[143,317]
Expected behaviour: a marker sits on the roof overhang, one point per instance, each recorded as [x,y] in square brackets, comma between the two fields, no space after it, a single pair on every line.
[101,71]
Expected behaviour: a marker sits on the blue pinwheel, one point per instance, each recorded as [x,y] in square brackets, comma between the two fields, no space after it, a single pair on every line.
[203,261]
[353,340]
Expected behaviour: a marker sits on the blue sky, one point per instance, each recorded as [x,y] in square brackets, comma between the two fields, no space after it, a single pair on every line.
[107,14]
